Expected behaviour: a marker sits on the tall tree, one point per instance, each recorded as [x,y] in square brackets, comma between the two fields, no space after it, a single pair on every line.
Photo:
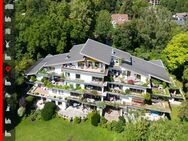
[103,25]
[176,52]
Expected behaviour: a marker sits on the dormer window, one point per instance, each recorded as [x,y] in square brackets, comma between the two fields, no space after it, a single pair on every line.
[68,56]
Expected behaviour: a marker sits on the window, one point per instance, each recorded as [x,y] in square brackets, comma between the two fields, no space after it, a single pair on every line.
[96,79]
[67,74]
[97,64]
[128,73]
[138,76]
[77,76]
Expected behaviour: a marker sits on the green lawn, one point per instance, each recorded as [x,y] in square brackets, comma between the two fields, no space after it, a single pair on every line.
[58,129]
[174,113]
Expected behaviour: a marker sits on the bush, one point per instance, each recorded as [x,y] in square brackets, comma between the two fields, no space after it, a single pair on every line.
[164,85]
[29,99]
[77,120]
[48,111]
[116,126]
[95,118]
[33,78]
[103,120]
[122,120]
[183,111]
[36,115]
[127,91]
[21,111]
[147,98]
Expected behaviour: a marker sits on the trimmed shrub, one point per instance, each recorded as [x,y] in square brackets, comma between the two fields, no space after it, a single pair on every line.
[48,111]
[29,99]
[77,120]
[95,118]
[21,111]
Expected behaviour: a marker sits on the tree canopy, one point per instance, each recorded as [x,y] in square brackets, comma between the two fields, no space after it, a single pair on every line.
[176,52]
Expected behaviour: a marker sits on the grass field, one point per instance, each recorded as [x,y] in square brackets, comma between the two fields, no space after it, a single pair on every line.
[174,113]
[60,130]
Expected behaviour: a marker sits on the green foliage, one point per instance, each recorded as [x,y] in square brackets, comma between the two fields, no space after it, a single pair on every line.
[103,120]
[122,120]
[78,88]
[21,111]
[164,131]
[116,126]
[62,76]
[147,97]
[103,25]
[29,99]
[33,78]
[183,111]
[127,91]
[185,75]
[101,104]
[164,85]
[95,118]
[48,111]
[146,35]
[77,120]
[137,131]
[175,5]
[176,52]
[36,115]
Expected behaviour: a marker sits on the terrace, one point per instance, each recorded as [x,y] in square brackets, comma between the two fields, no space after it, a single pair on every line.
[124,77]
[76,111]
[86,66]
[131,92]
[160,91]
[175,93]
[112,114]
[44,93]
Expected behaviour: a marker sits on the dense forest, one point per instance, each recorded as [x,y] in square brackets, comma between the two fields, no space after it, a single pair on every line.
[45,27]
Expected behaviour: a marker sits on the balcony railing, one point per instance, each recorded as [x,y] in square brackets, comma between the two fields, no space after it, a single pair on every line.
[85,68]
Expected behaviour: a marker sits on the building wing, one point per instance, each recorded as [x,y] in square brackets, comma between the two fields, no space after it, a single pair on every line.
[97,51]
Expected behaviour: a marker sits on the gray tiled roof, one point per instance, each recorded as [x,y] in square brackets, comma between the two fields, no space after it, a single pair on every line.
[51,60]
[121,54]
[157,62]
[35,67]
[98,51]
[73,56]
[147,68]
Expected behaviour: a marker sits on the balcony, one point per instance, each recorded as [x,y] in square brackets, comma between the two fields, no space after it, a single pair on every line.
[85,68]
[129,80]
[117,90]
[161,91]
[77,80]
[44,93]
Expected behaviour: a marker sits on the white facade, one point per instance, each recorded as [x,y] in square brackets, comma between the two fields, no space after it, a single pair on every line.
[58,69]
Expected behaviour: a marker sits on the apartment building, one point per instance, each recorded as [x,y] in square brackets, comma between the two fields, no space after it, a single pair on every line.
[101,77]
